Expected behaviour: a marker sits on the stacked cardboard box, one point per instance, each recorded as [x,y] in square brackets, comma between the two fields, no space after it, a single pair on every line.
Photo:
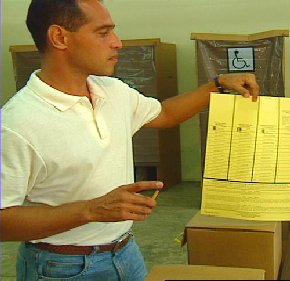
[235,243]
[200,272]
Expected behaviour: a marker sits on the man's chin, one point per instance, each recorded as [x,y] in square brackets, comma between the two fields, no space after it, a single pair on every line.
[104,73]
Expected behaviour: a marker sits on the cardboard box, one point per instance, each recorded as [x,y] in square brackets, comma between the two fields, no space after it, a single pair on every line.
[180,272]
[235,243]
[285,238]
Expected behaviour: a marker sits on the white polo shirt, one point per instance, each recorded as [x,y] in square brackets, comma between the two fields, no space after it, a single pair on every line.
[58,148]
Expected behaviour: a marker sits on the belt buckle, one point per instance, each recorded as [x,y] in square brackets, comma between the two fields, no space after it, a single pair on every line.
[125,236]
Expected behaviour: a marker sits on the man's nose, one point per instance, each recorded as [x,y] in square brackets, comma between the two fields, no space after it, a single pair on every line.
[117,43]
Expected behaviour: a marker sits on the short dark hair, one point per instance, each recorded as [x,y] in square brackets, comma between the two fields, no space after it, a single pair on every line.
[43,13]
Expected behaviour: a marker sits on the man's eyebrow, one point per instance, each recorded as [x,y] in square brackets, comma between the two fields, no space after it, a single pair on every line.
[106,26]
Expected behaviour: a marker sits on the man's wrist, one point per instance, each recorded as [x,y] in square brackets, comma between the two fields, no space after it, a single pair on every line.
[219,86]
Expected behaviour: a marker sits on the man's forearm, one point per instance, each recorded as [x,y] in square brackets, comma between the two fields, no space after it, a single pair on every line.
[23,223]
[185,106]
[182,107]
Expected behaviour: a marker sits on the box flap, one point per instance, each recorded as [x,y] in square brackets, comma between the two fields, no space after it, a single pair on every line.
[240,37]
[204,221]
[203,272]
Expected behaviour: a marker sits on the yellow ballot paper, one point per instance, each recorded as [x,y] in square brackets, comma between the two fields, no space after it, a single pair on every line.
[248,201]
[283,165]
[243,139]
[247,164]
[219,136]
[266,143]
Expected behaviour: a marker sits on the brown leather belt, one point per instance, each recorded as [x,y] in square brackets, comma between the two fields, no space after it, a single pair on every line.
[84,250]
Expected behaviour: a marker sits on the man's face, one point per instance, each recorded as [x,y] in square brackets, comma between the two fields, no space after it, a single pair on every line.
[93,48]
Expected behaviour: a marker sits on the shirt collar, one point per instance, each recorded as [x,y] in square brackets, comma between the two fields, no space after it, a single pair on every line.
[59,99]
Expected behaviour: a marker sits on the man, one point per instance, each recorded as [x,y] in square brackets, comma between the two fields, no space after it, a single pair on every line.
[67,149]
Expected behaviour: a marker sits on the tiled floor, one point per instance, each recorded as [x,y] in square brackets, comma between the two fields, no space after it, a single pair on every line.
[8,255]
[156,236]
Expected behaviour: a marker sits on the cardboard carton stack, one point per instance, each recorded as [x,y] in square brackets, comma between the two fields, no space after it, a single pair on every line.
[235,243]
[200,272]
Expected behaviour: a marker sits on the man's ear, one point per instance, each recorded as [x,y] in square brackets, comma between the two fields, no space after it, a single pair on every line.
[57,37]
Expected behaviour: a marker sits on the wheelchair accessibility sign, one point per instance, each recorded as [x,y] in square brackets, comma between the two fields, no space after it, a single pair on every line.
[241,59]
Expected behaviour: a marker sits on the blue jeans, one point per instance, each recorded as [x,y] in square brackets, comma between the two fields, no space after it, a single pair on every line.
[127,264]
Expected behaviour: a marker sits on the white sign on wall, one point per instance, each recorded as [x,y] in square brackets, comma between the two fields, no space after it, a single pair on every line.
[241,59]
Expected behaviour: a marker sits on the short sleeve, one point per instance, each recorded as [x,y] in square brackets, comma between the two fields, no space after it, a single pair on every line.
[144,109]
[21,168]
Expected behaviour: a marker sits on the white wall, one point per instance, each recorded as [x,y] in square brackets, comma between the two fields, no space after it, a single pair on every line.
[172,21]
